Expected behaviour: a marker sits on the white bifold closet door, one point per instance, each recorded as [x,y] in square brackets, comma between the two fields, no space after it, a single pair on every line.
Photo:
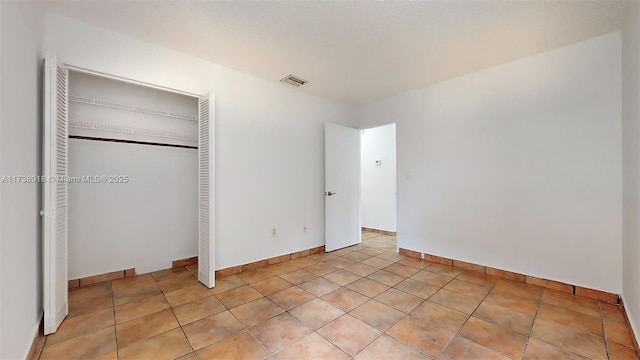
[54,194]
[206,222]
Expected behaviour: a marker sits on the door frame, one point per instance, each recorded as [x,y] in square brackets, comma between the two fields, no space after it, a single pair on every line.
[395,170]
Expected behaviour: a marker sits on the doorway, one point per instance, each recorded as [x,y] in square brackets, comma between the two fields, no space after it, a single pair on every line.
[360,186]
[378,186]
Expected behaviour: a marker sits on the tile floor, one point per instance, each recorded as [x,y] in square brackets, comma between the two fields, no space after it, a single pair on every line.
[362,302]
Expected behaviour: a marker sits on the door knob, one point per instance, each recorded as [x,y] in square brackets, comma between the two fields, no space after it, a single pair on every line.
[330,193]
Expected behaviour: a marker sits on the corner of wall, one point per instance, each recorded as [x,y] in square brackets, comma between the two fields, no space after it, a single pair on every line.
[22,35]
[631,163]
[632,321]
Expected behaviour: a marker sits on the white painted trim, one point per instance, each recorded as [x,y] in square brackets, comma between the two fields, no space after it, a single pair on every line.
[131,81]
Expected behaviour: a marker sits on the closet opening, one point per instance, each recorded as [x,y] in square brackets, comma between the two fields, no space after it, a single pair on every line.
[144,142]
[131,181]
[378,186]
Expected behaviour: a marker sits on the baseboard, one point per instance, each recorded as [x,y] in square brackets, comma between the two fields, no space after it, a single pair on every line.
[632,330]
[383,232]
[266,262]
[92,280]
[184,262]
[252,265]
[38,341]
[593,294]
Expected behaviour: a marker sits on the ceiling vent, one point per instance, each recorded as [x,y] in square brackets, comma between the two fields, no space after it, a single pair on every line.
[293,80]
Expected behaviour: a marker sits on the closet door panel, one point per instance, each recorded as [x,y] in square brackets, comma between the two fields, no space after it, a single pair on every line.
[54,194]
[206,218]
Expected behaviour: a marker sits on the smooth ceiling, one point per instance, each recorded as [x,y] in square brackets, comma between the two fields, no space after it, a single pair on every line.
[355,52]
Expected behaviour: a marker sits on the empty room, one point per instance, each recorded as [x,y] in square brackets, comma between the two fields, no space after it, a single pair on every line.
[320,180]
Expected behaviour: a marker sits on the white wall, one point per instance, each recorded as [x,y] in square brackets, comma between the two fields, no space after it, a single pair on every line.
[144,223]
[631,164]
[20,117]
[518,166]
[269,143]
[378,189]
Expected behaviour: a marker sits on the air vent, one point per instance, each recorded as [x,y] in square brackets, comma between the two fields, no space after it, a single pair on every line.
[293,80]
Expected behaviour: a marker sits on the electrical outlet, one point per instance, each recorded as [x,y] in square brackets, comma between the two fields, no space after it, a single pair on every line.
[304,228]
[273,232]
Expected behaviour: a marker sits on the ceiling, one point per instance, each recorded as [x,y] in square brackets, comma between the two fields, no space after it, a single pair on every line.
[355,52]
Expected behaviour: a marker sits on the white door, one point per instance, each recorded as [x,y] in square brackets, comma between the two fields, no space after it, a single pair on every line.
[206,213]
[54,194]
[342,186]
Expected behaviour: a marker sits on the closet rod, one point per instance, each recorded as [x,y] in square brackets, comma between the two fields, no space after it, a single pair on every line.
[77,137]
[131,81]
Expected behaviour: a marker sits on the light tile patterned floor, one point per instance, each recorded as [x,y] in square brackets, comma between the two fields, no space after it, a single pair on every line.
[362,302]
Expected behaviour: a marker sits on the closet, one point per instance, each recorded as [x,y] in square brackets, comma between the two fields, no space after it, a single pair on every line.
[142,143]
[130,179]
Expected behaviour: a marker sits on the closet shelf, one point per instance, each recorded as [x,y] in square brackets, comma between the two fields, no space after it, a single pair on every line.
[133,108]
[131,130]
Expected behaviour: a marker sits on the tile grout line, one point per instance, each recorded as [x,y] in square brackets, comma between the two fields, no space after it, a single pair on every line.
[442,288]
[115,322]
[193,351]
[195,275]
[317,333]
[43,345]
[463,295]
[260,342]
[243,325]
[336,345]
[382,333]
[343,314]
[404,317]
[505,308]
[526,344]
[604,331]
[558,346]
[409,313]
[466,320]
[181,329]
